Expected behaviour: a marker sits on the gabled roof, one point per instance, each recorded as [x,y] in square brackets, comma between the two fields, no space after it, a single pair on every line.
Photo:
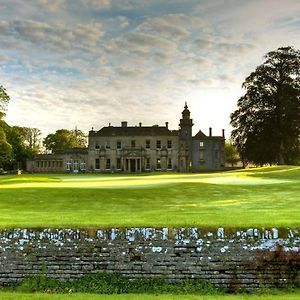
[200,135]
[134,131]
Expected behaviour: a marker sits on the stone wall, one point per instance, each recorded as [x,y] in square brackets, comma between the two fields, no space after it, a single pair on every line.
[244,259]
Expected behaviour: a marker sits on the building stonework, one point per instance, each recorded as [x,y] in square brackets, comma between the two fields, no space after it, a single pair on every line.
[134,149]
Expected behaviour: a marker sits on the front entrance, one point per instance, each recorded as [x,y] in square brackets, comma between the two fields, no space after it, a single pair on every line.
[133,165]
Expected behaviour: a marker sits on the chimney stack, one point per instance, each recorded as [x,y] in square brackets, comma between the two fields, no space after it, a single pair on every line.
[210,131]
[124,124]
[140,124]
[223,133]
[167,125]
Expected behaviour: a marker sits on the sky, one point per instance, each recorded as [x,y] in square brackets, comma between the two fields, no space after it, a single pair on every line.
[88,63]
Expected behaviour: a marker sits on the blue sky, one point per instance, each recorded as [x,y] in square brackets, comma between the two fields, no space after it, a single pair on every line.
[88,63]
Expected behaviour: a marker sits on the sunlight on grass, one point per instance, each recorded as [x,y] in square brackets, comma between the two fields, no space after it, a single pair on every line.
[114,181]
[252,197]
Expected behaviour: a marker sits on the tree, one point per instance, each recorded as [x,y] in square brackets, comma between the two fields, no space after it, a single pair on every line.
[4,99]
[63,139]
[30,138]
[5,150]
[24,142]
[232,155]
[267,121]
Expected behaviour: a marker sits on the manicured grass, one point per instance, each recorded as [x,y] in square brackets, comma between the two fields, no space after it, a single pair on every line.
[252,197]
[19,296]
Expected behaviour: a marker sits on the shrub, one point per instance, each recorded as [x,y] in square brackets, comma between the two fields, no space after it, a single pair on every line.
[108,283]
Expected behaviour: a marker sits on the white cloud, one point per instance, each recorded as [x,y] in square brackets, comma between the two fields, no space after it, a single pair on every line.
[95,62]
[50,5]
[123,21]
[55,36]
[97,4]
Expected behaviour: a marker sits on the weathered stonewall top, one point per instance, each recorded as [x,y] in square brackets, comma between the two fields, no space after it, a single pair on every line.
[257,238]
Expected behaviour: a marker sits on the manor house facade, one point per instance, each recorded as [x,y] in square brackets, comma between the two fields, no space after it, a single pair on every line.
[134,149]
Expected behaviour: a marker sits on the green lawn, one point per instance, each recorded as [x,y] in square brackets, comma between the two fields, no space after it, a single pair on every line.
[279,296]
[252,197]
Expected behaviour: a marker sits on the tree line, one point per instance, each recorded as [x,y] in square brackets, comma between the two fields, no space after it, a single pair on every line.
[266,123]
[17,144]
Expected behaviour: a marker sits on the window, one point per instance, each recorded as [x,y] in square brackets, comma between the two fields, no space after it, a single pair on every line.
[201,144]
[216,154]
[158,164]
[169,164]
[76,165]
[82,165]
[97,164]
[147,144]
[68,164]
[107,145]
[107,167]
[133,144]
[118,163]
[147,164]
[169,144]
[158,144]
[201,155]
[97,146]
[119,145]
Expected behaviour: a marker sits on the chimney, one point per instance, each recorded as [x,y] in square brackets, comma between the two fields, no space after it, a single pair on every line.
[167,125]
[124,124]
[140,124]
[210,131]
[223,133]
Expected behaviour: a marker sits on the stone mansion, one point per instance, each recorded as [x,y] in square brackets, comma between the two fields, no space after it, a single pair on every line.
[134,149]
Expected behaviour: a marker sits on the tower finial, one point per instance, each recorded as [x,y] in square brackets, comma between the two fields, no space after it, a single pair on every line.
[185,106]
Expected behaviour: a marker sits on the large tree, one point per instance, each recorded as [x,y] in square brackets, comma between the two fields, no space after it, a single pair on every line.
[4,99]
[266,124]
[6,153]
[25,142]
[232,155]
[63,139]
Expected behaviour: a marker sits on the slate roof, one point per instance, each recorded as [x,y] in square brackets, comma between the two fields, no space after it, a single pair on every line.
[201,136]
[134,131]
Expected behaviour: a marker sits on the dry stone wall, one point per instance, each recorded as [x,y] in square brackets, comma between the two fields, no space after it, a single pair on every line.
[235,260]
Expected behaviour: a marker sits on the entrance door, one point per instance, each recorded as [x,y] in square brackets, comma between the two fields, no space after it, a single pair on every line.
[132,165]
